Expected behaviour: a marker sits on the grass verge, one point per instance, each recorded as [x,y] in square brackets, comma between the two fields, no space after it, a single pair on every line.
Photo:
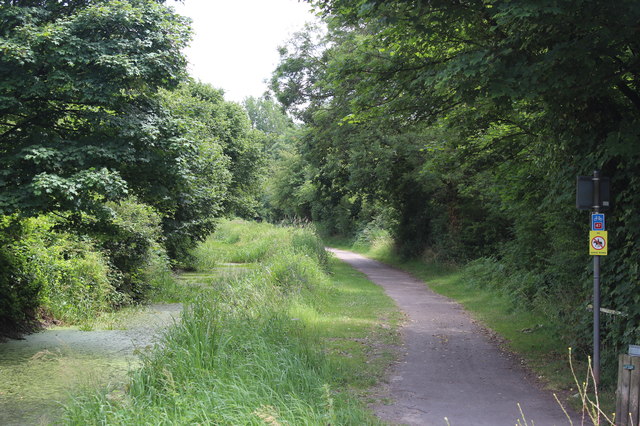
[359,328]
[281,342]
[527,333]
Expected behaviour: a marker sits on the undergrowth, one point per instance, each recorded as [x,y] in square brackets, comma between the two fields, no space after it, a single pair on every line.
[261,347]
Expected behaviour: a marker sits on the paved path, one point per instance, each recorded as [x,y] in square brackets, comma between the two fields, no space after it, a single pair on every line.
[451,369]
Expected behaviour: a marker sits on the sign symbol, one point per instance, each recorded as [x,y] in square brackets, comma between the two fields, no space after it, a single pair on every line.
[598,243]
[597,222]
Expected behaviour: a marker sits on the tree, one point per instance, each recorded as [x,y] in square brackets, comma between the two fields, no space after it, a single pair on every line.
[488,110]
[80,121]
[266,115]
[192,195]
[245,148]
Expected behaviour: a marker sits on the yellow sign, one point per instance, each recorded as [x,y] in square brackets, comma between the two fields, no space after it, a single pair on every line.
[598,243]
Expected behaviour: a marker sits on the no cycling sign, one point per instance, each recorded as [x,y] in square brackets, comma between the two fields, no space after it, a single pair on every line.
[598,243]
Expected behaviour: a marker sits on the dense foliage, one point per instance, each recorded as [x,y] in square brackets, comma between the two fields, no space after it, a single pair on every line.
[60,273]
[220,164]
[461,126]
[284,172]
[101,130]
[78,119]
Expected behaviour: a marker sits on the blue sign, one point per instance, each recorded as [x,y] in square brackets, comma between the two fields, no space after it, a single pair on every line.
[597,222]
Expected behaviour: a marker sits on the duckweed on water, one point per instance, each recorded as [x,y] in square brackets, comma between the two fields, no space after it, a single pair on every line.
[40,372]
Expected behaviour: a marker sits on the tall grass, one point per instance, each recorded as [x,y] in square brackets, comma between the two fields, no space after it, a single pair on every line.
[241,353]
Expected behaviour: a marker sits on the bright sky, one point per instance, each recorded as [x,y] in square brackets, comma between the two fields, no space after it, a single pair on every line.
[235,42]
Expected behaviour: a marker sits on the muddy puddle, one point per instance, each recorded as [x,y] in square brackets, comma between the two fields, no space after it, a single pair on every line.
[39,373]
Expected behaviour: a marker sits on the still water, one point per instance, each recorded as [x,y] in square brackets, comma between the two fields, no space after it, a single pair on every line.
[38,374]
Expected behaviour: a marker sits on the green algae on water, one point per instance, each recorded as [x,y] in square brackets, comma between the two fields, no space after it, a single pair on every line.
[40,372]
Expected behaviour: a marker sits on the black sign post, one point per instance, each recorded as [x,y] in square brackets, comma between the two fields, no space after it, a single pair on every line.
[593,193]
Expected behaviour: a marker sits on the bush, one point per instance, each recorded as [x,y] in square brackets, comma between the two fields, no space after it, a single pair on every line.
[525,288]
[132,238]
[108,260]
[371,236]
[19,290]
[64,275]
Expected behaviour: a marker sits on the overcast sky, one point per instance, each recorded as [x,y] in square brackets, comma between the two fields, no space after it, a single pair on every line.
[235,42]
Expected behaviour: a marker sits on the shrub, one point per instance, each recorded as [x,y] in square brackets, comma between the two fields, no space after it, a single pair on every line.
[525,288]
[63,274]
[370,236]
[132,238]
[19,290]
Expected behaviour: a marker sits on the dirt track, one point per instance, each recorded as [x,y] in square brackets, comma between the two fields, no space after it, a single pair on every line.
[450,367]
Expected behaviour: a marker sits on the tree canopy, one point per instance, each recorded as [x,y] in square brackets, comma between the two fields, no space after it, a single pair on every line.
[80,119]
[464,125]
[105,139]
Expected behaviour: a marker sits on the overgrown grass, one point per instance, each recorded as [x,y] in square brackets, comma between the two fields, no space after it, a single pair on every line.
[358,327]
[529,333]
[281,343]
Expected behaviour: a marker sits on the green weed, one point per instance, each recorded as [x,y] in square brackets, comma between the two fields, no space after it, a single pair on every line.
[64,276]
[280,343]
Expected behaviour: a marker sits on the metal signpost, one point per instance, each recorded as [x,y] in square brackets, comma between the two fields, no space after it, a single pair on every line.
[593,193]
